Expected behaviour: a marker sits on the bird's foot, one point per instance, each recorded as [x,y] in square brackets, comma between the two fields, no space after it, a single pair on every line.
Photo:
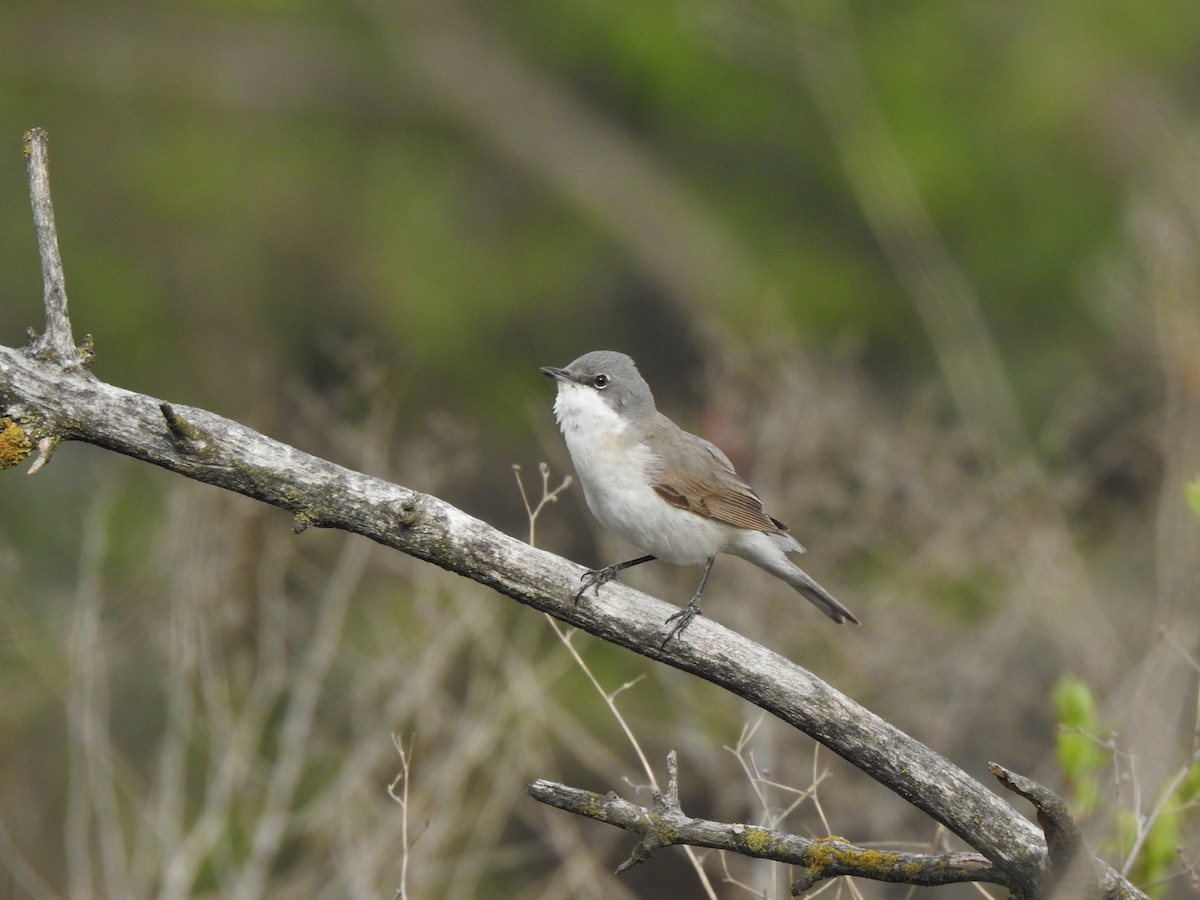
[594,579]
[682,620]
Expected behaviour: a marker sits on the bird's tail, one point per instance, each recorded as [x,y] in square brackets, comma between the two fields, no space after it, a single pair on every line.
[820,597]
[769,552]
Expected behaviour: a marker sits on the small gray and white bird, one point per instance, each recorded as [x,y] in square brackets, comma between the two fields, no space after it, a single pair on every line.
[671,494]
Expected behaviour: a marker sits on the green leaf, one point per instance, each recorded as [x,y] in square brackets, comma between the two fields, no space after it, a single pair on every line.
[1192,492]
[1079,756]
[1074,706]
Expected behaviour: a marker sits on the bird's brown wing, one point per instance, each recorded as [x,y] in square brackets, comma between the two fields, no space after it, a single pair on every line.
[715,492]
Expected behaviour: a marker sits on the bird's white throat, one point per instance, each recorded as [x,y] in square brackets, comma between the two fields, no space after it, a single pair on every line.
[614,465]
[581,409]
[603,444]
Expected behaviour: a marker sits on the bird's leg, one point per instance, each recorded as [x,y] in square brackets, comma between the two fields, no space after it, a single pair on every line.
[683,618]
[597,577]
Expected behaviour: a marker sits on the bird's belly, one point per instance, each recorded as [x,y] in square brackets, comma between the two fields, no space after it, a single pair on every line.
[616,485]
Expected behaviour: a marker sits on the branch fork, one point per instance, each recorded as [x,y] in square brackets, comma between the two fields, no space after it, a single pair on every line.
[1071,868]
[664,824]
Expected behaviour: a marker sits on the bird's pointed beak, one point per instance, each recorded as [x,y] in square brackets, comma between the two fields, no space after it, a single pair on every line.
[558,374]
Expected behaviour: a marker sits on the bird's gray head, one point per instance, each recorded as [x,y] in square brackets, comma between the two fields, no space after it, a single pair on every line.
[612,376]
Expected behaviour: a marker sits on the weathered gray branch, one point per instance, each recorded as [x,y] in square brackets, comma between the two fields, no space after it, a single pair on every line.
[55,342]
[47,396]
[816,859]
[1072,869]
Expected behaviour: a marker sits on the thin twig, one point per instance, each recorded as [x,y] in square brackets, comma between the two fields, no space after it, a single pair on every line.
[296,730]
[548,496]
[96,813]
[1146,824]
[56,341]
[402,779]
[609,698]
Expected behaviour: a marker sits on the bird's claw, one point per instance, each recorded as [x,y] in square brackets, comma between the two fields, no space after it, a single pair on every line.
[682,620]
[594,579]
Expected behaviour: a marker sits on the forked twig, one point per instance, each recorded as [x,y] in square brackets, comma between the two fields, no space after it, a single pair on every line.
[609,698]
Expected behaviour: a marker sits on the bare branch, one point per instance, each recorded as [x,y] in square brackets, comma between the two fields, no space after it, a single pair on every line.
[1072,871]
[402,780]
[56,342]
[664,824]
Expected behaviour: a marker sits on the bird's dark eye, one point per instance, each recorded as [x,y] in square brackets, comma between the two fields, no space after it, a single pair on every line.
[601,381]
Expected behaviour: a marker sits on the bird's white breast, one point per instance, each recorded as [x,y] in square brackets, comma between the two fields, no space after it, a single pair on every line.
[617,472]
[614,466]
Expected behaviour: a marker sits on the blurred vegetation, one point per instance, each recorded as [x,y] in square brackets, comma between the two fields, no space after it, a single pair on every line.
[929,272]
[1148,833]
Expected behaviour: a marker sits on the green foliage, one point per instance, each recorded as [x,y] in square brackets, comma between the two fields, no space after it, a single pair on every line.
[1193,495]
[1152,835]
[1157,855]
[1080,757]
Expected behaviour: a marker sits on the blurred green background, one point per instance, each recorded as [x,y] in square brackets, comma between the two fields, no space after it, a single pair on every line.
[928,271]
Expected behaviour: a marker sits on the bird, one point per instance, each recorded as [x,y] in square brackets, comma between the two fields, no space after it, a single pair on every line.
[671,494]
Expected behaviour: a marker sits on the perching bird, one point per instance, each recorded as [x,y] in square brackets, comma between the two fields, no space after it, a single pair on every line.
[671,494]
